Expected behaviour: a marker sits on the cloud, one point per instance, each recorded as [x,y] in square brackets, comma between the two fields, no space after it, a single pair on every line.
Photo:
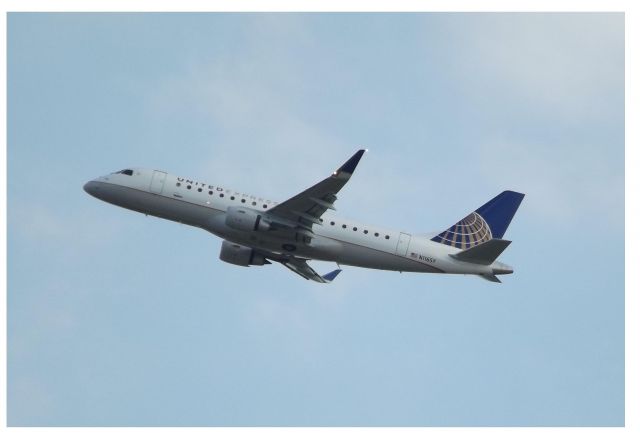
[564,69]
[569,64]
[562,187]
[545,94]
[252,106]
[64,229]
[29,397]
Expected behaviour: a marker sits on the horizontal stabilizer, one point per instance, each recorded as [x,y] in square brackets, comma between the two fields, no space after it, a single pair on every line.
[492,278]
[485,253]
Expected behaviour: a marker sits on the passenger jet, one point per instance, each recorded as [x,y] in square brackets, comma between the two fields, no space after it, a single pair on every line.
[256,231]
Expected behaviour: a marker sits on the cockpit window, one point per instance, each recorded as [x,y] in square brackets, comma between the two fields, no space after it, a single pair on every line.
[127,172]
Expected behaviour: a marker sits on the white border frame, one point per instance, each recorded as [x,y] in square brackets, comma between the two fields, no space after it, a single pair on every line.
[632,309]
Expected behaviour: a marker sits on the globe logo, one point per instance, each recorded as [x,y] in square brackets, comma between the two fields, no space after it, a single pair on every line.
[468,232]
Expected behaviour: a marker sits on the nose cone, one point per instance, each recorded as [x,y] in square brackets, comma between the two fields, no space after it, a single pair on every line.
[91,187]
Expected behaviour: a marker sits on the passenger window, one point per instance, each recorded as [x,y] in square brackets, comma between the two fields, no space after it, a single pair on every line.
[177,184]
[386,237]
[333,223]
[188,187]
[243,200]
[233,197]
[221,195]
[376,234]
[264,206]
[344,226]
[355,229]
[253,203]
[366,232]
[210,193]
[199,190]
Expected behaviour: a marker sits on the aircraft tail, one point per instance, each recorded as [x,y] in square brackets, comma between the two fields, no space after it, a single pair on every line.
[490,221]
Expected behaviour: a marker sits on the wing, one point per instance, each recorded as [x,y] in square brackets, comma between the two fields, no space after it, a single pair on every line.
[305,209]
[299,266]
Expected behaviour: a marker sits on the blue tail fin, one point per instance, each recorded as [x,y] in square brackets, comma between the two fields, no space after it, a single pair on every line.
[489,221]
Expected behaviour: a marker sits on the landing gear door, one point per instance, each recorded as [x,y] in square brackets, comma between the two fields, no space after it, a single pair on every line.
[157,181]
[403,244]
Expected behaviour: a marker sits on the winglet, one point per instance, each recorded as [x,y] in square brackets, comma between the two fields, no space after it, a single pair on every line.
[350,166]
[331,275]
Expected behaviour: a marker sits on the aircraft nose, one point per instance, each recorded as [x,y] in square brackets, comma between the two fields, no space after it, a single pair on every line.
[91,188]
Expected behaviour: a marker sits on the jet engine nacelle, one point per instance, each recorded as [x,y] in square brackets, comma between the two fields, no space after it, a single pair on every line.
[245,219]
[239,255]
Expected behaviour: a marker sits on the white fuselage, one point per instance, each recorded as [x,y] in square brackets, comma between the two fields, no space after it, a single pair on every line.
[336,239]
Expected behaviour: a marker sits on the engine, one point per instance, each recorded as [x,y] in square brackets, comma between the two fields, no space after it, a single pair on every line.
[241,255]
[246,219]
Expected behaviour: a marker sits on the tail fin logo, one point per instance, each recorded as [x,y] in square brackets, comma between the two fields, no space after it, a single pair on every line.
[468,232]
[489,221]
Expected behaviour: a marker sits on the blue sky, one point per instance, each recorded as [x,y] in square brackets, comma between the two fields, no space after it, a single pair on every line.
[119,319]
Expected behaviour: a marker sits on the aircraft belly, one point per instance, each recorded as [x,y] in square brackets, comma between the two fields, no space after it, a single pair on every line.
[362,256]
[320,248]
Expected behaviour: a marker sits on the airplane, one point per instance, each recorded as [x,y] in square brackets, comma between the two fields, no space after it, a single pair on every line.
[257,231]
